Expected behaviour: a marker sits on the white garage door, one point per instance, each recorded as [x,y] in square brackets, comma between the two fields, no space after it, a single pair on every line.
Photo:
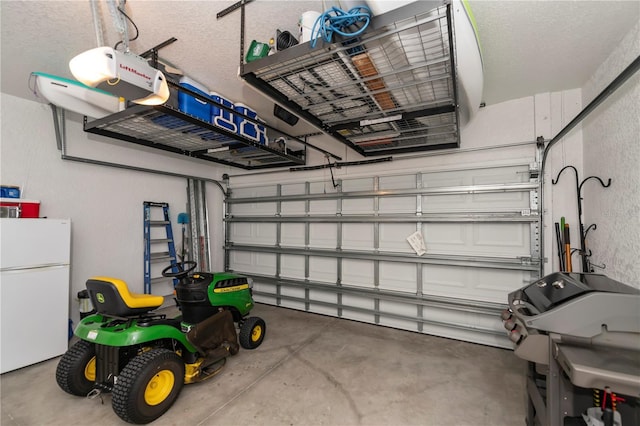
[345,253]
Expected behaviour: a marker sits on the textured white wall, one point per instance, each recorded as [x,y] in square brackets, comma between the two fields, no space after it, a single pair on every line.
[104,204]
[612,150]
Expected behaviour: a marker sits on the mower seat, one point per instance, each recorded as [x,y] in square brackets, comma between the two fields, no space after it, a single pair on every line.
[110,296]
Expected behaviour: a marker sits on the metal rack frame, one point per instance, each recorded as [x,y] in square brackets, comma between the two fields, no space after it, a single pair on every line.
[392,90]
[166,128]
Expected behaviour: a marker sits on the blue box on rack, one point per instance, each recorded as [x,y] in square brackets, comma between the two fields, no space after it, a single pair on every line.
[220,116]
[9,192]
[192,105]
[247,128]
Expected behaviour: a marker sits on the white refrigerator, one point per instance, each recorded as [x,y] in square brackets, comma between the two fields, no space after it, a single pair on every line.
[34,290]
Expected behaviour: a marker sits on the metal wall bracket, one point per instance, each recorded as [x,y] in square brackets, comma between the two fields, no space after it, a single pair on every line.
[59,125]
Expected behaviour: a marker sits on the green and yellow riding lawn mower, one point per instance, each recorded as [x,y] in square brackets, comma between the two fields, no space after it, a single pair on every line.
[144,358]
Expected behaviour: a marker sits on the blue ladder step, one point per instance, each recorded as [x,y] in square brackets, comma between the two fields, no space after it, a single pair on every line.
[161,256]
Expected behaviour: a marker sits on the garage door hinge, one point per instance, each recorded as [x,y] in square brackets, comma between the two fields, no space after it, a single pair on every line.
[526,260]
[534,170]
[529,212]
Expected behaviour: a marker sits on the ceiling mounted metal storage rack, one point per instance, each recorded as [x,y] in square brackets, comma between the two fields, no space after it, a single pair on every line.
[391,90]
[167,128]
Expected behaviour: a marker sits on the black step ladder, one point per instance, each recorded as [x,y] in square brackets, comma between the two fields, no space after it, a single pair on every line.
[160,256]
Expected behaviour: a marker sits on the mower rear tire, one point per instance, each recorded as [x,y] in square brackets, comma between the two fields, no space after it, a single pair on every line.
[148,386]
[252,332]
[76,371]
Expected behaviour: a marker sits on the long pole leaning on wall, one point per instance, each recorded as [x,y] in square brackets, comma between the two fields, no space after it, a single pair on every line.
[199,224]
[625,75]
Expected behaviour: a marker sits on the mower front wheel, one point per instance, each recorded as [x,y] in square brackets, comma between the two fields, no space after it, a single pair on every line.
[76,371]
[148,386]
[252,332]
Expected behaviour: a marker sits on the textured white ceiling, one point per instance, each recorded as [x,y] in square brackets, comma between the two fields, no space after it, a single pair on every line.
[528,46]
[534,47]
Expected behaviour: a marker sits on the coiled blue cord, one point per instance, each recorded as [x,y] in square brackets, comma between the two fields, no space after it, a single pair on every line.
[336,20]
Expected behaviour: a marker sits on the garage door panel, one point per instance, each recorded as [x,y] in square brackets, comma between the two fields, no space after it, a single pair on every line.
[250,209]
[265,263]
[400,277]
[292,266]
[293,189]
[446,203]
[471,283]
[322,310]
[240,232]
[398,323]
[292,292]
[352,307]
[393,237]
[323,296]
[323,235]
[515,174]
[264,233]
[484,176]
[241,261]
[501,282]
[445,280]
[358,273]
[401,310]
[397,205]
[357,236]
[252,233]
[323,206]
[265,292]
[292,208]
[318,187]
[328,305]
[359,184]
[470,335]
[494,202]
[357,206]
[323,269]
[500,200]
[444,179]
[397,182]
[255,191]
[261,263]
[292,234]
[437,315]
[445,237]
[502,239]
[242,210]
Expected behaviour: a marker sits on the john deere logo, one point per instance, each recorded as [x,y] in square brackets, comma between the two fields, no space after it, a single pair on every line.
[100,297]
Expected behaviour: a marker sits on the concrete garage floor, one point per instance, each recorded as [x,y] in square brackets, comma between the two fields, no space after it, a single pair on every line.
[312,370]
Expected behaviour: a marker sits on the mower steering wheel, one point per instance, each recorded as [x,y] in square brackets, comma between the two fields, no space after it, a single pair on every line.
[183,269]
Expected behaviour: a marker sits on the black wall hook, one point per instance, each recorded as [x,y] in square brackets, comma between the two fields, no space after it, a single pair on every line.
[584,253]
[604,185]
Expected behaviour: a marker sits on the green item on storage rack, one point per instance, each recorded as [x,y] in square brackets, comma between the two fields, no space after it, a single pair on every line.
[257,50]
